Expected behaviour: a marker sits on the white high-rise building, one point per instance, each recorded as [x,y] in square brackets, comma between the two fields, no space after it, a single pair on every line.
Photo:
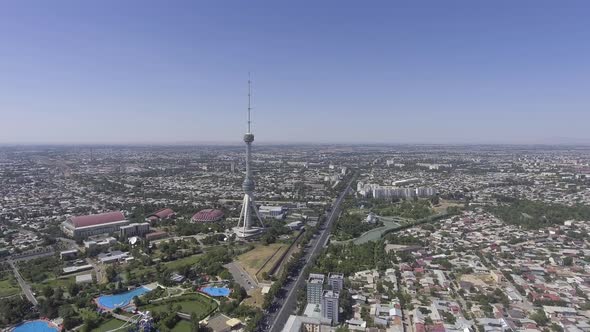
[330,305]
[387,192]
[315,287]
[336,281]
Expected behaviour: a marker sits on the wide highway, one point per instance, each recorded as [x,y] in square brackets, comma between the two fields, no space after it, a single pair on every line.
[286,301]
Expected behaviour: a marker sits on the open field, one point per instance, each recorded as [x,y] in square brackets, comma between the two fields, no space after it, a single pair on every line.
[141,271]
[191,303]
[189,260]
[254,259]
[444,204]
[8,286]
[275,259]
[255,299]
[108,325]
[482,280]
[57,282]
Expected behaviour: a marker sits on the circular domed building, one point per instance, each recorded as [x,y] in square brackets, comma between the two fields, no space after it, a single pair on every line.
[208,215]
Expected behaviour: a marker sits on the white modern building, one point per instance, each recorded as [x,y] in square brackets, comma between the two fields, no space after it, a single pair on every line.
[330,304]
[315,287]
[336,281]
[267,211]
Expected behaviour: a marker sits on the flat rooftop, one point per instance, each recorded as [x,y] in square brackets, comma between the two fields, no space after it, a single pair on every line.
[331,294]
[316,278]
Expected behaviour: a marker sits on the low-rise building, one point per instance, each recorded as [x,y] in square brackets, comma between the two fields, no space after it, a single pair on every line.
[82,227]
[113,257]
[135,229]
[68,254]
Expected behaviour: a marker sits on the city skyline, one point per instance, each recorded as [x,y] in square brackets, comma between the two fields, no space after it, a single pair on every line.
[146,73]
[261,166]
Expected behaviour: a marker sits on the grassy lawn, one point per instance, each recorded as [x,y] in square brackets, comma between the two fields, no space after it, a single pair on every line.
[182,326]
[108,325]
[149,271]
[54,283]
[253,260]
[255,298]
[190,303]
[61,282]
[8,286]
[190,260]
[274,260]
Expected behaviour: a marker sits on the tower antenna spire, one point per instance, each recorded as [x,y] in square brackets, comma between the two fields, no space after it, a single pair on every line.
[249,96]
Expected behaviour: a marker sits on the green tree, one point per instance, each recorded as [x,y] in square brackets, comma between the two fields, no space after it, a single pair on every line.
[111,273]
[73,289]
[195,326]
[48,291]
[540,318]
[556,328]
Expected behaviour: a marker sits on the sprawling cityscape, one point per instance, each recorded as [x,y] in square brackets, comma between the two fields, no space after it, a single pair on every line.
[368,238]
[294,166]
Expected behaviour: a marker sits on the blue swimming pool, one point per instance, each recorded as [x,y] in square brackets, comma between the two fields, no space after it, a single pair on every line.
[216,291]
[120,300]
[35,326]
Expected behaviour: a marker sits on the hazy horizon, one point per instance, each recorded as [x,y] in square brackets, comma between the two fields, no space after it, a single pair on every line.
[150,73]
[564,143]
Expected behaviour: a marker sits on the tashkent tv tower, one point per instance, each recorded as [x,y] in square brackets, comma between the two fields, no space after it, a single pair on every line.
[245,229]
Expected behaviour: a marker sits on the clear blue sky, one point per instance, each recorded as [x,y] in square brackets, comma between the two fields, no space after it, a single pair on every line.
[323,71]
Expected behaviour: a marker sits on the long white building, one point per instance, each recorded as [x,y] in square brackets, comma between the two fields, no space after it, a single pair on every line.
[81,227]
[378,191]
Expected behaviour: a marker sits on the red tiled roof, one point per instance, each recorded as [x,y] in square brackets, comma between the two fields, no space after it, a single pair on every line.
[438,328]
[419,327]
[97,219]
[208,215]
[163,213]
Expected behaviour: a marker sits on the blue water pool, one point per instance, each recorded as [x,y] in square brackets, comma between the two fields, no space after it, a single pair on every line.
[35,326]
[216,291]
[120,300]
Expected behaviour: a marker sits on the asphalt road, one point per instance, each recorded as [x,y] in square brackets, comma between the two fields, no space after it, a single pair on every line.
[23,284]
[30,255]
[98,270]
[241,276]
[286,301]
